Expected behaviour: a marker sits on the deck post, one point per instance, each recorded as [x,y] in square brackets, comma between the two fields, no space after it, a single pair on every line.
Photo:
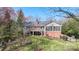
[41,33]
[33,32]
[44,31]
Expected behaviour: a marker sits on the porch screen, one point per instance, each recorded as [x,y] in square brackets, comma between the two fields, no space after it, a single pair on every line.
[56,28]
[49,28]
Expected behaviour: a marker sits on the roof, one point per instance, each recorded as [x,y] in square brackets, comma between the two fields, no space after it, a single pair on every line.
[41,23]
[53,23]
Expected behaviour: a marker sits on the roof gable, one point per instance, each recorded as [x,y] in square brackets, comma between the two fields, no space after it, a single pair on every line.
[53,24]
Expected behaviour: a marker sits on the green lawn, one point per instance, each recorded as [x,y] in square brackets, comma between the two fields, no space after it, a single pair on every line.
[46,44]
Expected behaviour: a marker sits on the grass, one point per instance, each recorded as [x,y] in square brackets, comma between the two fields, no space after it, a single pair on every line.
[40,43]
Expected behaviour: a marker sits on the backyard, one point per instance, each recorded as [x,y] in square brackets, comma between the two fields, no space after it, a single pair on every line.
[40,43]
[21,32]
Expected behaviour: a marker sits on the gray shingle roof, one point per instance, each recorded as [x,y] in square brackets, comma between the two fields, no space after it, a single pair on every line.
[40,23]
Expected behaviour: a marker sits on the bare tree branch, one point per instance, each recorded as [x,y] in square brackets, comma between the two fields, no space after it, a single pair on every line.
[68,14]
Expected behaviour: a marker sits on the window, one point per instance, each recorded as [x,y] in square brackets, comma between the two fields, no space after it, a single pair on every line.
[49,28]
[56,28]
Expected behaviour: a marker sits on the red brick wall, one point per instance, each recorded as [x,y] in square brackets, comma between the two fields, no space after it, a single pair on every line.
[53,34]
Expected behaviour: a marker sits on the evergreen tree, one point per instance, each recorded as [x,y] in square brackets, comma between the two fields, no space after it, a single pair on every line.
[20,23]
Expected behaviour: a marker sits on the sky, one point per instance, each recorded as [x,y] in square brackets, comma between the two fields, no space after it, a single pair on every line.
[43,12]
[39,12]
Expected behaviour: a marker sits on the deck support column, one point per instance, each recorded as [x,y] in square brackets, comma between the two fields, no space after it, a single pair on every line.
[44,31]
[41,33]
[33,32]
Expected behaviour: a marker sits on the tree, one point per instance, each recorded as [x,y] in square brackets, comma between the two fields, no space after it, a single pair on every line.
[11,31]
[20,22]
[65,12]
[71,28]
[6,26]
[2,14]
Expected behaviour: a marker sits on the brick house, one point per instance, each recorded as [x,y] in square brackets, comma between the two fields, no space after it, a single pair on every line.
[45,28]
